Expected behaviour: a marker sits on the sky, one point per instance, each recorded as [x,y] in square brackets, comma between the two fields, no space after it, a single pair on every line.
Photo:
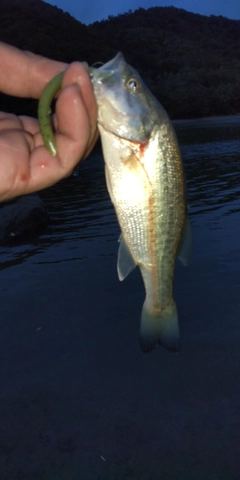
[89,11]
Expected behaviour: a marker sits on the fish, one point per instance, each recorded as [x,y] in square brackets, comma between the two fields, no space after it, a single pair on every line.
[146,183]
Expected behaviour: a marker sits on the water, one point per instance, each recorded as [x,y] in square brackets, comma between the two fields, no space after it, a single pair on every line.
[81,220]
[78,400]
[210,150]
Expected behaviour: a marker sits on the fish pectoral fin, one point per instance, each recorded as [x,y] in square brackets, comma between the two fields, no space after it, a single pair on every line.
[125,261]
[159,328]
[186,247]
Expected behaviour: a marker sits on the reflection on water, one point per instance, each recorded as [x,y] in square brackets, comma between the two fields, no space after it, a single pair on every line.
[82,219]
[211,153]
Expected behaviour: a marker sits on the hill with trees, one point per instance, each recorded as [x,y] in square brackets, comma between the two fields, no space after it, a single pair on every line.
[190,62]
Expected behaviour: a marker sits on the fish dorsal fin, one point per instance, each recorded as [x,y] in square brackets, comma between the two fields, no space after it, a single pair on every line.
[125,262]
[186,247]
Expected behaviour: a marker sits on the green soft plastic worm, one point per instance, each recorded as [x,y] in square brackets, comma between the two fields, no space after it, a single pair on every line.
[44,111]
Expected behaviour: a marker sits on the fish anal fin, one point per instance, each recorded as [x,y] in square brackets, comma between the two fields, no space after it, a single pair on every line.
[125,262]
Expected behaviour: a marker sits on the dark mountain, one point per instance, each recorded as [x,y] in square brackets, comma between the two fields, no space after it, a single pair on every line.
[190,62]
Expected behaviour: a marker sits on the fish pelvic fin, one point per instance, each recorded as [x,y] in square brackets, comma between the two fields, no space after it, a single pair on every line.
[159,328]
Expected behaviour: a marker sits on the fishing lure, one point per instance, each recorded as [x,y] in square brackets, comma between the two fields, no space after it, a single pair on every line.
[44,111]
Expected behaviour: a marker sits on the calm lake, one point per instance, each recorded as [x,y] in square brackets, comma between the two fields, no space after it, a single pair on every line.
[78,399]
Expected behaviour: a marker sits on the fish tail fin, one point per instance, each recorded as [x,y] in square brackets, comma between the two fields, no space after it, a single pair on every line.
[159,328]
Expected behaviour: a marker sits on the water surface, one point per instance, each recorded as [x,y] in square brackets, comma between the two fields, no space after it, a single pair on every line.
[79,401]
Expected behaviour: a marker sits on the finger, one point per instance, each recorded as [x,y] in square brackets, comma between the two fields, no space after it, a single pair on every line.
[74,132]
[25,74]
[77,73]
[91,144]
[15,147]
[9,121]
[73,139]
[29,124]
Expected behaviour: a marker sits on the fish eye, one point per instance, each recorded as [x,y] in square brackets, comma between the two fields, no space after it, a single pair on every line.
[133,84]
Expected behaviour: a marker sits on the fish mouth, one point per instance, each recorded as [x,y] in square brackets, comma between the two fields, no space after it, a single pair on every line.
[120,136]
[120,124]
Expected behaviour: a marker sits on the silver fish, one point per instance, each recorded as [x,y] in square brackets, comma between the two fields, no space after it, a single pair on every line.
[145,180]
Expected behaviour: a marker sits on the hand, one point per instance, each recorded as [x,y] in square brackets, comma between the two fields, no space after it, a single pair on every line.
[25,164]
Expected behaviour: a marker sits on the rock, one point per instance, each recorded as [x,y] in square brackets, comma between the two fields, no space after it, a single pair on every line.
[22,219]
